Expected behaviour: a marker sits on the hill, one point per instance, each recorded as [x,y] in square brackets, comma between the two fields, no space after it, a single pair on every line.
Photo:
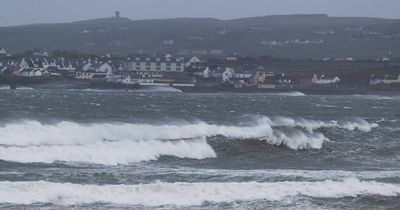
[285,36]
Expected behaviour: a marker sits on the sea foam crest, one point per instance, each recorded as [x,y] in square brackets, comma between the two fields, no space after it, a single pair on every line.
[185,194]
[109,153]
[312,125]
[30,133]
[123,143]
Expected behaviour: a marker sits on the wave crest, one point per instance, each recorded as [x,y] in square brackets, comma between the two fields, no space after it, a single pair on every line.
[109,153]
[122,143]
[185,194]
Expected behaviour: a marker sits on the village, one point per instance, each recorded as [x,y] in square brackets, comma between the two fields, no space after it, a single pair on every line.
[40,69]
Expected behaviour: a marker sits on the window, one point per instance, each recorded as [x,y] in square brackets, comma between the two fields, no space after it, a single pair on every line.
[158,68]
[148,68]
[168,68]
[137,63]
[138,68]
[147,64]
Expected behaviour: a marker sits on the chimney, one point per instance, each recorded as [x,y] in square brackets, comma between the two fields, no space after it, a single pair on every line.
[117,14]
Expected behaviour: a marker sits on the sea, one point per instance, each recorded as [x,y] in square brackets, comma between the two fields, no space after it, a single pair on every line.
[92,149]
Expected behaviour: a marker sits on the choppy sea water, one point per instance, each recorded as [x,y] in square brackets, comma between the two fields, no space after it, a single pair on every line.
[161,150]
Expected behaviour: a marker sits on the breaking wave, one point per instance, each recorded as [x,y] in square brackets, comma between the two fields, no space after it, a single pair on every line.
[186,194]
[109,153]
[311,125]
[123,143]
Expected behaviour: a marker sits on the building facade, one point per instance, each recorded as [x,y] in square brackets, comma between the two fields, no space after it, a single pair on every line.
[155,64]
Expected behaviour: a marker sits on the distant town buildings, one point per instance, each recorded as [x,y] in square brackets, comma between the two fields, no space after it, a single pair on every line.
[169,70]
[155,64]
[385,80]
[325,80]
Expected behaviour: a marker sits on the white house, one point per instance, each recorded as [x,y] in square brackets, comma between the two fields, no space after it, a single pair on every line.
[105,67]
[325,80]
[384,59]
[391,80]
[207,73]
[3,51]
[231,58]
[32,72]
[228,74]
[42,53]
[194,59]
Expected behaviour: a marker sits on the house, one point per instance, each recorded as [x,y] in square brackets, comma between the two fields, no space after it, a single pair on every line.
[228,74]
[155,64]
[276,78]
[32,72]
[95,70]
[231,58]
[374,80]
[383,59]
[194,59]
[89,75]
[325,80]
[207,73]
[3,51]
[101,67]
[260,77]
[243,76]
[142,78]
[390,80]
[219,73]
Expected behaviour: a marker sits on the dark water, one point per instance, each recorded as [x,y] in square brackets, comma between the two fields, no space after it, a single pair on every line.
[110,149]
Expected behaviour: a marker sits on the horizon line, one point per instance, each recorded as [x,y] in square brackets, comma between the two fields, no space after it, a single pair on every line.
[183,17]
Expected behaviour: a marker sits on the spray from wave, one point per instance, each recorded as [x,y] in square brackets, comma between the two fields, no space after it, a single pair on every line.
[186,194]
[312,125]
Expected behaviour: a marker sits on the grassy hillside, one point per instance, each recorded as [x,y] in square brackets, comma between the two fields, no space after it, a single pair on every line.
[290,36]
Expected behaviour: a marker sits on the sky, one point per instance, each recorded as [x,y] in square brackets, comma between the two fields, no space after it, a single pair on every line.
[21,12]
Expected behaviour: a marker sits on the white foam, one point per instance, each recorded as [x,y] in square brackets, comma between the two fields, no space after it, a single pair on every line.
[67,133]
[109,153]
[291,93]
[185,194]
[312,125]
[4,87]
[118,143]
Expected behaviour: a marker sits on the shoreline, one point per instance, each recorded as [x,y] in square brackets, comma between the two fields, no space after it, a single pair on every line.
[284,91]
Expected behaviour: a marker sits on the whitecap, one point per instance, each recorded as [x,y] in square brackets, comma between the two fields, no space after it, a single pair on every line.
[186,194]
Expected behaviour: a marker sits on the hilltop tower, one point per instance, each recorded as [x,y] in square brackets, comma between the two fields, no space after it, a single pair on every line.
[117,15]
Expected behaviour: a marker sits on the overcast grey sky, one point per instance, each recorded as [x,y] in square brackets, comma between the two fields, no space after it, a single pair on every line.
[18,12]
